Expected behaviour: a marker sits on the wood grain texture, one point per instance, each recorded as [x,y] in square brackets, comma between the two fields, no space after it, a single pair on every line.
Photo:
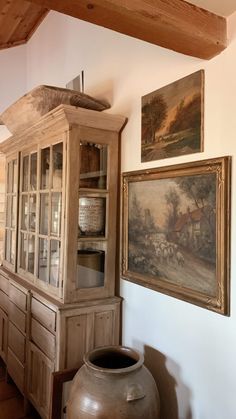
[172,24]
[18,21]
[42,99]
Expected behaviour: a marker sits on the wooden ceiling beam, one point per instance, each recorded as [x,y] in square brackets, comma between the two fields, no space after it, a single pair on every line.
[172,24]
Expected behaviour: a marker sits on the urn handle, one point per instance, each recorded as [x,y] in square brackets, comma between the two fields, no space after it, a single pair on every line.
[135,392]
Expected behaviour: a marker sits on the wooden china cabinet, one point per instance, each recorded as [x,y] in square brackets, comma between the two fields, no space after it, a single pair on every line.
[57,282]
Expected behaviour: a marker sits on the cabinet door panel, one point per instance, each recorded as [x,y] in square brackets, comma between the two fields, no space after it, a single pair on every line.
[16,342]
[43,314]
[44,339]
[76,329]
[4,284]
[39,380]
[3,334]
[103,328]
[4,301]
[16,370]
[17,317]
[18,297]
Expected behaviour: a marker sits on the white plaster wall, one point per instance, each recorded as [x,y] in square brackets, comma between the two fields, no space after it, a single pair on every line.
[12,79]
[190,351]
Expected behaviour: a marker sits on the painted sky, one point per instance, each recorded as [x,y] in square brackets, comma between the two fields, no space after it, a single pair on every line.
[151,195]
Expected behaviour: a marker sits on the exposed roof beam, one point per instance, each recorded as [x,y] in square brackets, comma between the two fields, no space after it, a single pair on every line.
[172,24]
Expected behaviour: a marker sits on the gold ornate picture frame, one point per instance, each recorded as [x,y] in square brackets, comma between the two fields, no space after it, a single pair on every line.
[176,231]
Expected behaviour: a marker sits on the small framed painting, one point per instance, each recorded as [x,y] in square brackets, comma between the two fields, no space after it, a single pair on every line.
[176,231]
[172,119]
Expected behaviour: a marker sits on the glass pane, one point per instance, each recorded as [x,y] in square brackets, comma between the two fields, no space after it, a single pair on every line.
[54,263]
[92,216]
[23,250]
[13,246]
[8,211]
[44,199]
[15,173]
[25,173]
[57,156]
[93,166]
[56,214]
[43,259]
[13,212]
[45,165]
[32,212]
[31,254]
[90,268]
[33,172]
[24,212]
[9,177]
[7,244]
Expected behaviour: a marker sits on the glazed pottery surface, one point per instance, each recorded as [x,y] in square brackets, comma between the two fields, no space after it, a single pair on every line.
[113,384]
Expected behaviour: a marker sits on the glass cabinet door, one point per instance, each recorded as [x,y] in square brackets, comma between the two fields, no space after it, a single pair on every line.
[50,220]
[41,214]
[28,212]
[11,212]
[92,217]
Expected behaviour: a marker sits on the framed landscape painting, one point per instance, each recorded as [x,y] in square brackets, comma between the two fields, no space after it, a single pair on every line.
[172,119]
[176,231]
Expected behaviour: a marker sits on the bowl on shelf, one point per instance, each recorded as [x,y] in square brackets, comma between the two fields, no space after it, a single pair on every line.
[41,100]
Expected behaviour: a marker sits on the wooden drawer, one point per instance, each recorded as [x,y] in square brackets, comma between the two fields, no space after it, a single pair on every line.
[16,342]
[45,340]
[4,284]
[43,314]
[4,301]
[17,317]
[16,370]
[18,297]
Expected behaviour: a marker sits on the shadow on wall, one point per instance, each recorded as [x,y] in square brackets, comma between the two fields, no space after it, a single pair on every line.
[155,361]
[104,91]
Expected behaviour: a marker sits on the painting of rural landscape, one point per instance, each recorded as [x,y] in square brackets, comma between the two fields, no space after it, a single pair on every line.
[172,230]
[172,119]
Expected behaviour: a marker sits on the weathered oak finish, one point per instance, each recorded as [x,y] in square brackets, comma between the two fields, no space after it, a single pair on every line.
[68,125]
[39,378]
[173,24]
[50,325]
[42,99]
[18,21]
[34,345]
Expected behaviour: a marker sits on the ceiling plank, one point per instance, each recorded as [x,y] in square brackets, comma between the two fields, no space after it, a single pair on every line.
[18,20]
[172,24]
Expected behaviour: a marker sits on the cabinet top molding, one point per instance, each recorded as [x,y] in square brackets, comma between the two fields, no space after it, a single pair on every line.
[62,118]
[172,24]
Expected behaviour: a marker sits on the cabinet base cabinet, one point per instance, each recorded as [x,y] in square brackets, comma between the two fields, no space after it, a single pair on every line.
[39,336]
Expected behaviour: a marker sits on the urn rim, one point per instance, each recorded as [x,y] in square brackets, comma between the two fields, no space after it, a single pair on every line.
[136,358]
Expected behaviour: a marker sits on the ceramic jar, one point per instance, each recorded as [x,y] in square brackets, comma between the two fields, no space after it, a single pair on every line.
[113,383]
[91,216]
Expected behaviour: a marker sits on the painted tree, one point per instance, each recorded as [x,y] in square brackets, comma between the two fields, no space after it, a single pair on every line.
[188,115]
[154,114]
[173,202]
[135,219]
[201,189]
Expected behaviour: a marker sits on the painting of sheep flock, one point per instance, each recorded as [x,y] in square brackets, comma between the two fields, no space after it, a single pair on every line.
[172,119]
[176,231]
